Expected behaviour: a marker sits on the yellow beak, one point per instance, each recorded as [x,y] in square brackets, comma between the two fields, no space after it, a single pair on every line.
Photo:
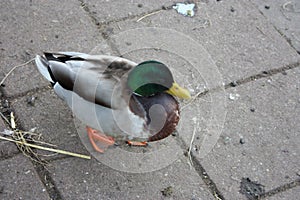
[179,92]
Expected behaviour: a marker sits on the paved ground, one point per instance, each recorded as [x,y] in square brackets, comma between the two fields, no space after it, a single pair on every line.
[255,47]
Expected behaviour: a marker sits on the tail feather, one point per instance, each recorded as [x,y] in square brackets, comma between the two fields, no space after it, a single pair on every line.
[43,67]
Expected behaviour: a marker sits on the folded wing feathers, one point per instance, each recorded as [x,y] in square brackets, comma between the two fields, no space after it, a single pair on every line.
[82,73]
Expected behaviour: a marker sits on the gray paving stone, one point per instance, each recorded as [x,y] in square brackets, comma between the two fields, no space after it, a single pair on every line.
[285,17]
[28,28]
[287,195]
[110,10]
[6,148]
[82,179]
[19,180]
[266,117]
[239,39]
[52,118]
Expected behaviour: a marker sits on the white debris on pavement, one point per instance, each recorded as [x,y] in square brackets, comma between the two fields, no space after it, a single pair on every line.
[233,97]
[185,9]
[7,132]
[32,130]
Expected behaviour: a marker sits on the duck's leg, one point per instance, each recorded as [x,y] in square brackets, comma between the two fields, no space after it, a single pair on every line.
[95,135]
[136,143]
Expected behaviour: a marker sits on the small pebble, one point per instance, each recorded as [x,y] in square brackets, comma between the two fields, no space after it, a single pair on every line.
[186,153]
[242,141]
[233,83]
[196,148]
[252,109]
[232,9]
[285,151]
[31,100]
[5,104]
[168,191]
[226,140]
[140,5]
[116,144]
[267,7]
[233,97]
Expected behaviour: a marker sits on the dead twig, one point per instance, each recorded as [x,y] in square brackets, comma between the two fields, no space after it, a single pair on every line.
[148,15]
[193,99]
[46,148]
[191,144]
[5,118]
[15,67]
[12,121]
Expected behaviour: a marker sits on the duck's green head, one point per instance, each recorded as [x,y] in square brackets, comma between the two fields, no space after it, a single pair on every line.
[153,77]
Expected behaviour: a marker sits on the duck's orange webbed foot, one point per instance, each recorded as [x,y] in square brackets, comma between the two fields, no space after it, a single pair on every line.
[96,136]
[136,143]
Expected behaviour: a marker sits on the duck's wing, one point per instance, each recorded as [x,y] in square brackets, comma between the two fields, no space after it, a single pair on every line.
[93,77]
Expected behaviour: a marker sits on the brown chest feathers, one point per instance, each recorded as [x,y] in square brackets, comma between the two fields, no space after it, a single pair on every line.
[162,113]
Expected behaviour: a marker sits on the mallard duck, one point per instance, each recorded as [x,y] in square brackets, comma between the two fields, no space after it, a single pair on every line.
[115,97]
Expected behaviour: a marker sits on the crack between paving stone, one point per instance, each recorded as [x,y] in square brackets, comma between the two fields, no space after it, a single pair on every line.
[102,26]
[45,177]
[280,189]
[263,74]
[28,92]
[205,177]
[9,156]
[200,170]
[288,40]
[99,24]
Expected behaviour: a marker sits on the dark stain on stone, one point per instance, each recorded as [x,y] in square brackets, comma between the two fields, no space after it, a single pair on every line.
[168,191]
[252,190]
